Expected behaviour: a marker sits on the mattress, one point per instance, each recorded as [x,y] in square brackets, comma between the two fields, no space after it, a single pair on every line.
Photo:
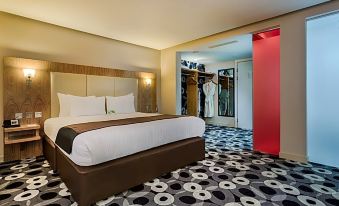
[98,146]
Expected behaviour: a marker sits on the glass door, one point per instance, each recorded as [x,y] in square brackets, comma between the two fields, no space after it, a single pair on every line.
[323,89]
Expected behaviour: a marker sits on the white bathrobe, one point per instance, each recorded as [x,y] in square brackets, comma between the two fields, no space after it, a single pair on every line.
[209,90]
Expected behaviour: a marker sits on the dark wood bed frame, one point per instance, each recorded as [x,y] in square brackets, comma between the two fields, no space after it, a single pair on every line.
[94,183]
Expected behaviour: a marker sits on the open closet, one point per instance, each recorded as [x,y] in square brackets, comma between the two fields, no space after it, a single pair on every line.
[216,82]
[192,95]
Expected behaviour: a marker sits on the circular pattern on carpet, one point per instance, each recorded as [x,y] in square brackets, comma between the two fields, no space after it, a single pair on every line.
[230,175]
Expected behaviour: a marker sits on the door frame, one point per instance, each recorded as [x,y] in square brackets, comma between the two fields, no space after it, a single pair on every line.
[236,90]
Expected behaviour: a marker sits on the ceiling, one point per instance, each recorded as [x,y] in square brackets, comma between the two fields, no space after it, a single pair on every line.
[156,24]
[236,48]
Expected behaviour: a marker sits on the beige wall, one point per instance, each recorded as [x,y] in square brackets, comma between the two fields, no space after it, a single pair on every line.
[21,37]
[293,74]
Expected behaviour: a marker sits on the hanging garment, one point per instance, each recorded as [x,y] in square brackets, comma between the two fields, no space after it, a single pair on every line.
[223,97]
[231,103]
[209,90]
[198,105]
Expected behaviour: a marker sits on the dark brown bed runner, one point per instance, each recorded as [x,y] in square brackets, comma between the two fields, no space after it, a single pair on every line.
[67,134]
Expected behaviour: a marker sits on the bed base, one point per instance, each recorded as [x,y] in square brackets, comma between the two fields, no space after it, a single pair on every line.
[94,183]
[49,151]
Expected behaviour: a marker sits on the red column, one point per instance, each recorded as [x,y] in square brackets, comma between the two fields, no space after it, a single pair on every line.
[266,92]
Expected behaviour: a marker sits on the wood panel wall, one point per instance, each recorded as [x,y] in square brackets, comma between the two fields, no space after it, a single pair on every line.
[19,98]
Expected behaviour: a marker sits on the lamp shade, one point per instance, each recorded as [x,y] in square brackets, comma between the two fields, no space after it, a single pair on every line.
[29,73]
[148,81]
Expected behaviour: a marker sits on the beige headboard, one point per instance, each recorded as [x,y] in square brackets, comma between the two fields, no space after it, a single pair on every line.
[89,85]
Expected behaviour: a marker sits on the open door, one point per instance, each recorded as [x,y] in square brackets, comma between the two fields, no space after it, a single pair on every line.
[266,92]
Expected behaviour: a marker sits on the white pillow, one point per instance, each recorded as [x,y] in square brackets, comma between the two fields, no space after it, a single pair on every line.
[87,106]
[121,104]
[64,105]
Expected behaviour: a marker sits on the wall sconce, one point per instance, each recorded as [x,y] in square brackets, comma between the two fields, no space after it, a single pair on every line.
[148,82]
[29,74]
[147,93]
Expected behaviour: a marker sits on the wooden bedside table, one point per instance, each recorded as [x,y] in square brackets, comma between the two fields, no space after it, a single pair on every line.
[22,142]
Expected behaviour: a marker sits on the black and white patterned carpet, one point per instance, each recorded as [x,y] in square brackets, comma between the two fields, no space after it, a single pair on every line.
[231,175]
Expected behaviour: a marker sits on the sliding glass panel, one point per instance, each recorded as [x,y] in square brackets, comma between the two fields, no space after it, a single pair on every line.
[323,89]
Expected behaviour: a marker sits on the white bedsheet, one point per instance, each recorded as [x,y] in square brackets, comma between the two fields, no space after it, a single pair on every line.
[98,146]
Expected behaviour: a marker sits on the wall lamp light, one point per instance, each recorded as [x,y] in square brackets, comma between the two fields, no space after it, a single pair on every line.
[29,74]
[148,82]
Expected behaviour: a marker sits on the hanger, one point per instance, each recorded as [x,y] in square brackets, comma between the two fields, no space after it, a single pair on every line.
[211,80]
[214,82]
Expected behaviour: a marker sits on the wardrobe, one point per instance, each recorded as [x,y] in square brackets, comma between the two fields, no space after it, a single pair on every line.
[192,95]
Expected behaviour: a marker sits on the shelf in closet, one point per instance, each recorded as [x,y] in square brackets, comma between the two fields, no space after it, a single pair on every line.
[194,71]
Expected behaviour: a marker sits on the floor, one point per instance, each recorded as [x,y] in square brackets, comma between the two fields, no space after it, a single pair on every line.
[231,175]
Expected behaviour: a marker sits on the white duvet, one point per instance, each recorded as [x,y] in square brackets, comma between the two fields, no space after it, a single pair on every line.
[98,146]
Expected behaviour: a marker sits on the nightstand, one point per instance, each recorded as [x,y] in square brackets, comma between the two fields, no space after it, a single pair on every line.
[22,142]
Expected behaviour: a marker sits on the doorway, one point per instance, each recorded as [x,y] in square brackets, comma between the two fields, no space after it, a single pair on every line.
[244,73]
[266,91]
[219,62]
[322,89]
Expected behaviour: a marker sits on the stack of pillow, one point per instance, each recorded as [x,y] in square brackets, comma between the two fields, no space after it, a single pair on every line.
[88,106]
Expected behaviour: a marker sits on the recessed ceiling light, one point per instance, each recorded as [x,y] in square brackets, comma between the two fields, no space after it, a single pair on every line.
[223,44]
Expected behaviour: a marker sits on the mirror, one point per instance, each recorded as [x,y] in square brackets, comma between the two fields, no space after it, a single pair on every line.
[226,92]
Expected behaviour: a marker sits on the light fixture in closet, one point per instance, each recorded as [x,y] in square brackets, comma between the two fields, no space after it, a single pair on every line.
[198,59]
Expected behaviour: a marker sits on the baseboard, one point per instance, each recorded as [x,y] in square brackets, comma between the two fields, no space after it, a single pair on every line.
[295,157]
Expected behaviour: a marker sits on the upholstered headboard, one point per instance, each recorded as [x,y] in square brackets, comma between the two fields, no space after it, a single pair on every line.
[53,77]
[89,85]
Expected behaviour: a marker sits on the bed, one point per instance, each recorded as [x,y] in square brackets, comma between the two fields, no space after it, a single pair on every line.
[110,160]
[132,149]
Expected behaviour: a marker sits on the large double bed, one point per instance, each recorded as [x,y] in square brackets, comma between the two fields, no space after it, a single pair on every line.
[100,146]
[93,137]
[113,158]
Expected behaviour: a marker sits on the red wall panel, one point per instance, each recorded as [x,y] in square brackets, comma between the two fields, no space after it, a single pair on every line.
[266,92]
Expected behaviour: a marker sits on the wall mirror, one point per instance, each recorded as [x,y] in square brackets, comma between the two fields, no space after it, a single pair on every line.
[226,92]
